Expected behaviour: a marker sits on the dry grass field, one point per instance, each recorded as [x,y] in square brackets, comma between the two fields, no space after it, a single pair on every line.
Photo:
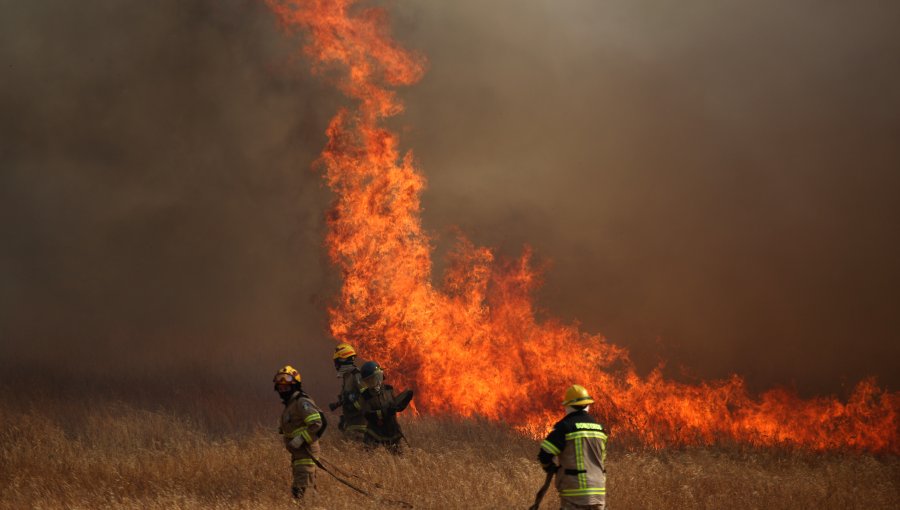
[88,448]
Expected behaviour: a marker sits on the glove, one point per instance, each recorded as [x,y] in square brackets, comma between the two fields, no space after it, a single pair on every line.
[334,405]
[296,443]
[550,468]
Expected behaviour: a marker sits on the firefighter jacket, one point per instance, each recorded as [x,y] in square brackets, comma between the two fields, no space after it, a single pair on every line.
[301,419]
[580,444]
[380,408]
[352,419]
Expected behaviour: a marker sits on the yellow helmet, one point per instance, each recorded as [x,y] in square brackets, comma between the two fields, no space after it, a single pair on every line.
[344,351]
[287,375]
[577,396]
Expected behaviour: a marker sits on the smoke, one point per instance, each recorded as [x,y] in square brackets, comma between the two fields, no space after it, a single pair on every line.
[712,183]
[158,209]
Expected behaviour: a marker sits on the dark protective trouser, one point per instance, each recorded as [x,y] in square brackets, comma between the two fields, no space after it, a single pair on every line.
[566,505]
[304,477]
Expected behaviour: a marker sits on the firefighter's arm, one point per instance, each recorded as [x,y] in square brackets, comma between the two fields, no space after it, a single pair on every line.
[551,447]
[402,400]
[603,449]
[357,396]
[396,403]
[296,438]
[314,423]
[306,433]
[361,403]
[350,402]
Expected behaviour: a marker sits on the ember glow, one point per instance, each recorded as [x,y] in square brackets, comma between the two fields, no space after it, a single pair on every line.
[477,329]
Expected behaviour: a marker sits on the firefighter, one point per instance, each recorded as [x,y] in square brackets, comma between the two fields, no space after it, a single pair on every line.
[380,407]
[352,423]
[579,442]
[302,424]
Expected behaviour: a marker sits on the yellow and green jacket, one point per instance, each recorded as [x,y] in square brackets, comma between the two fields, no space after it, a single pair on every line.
[301,418]
[579,443]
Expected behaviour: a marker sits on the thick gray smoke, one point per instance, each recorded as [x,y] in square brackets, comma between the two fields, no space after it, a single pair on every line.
[714,183]
[158,207]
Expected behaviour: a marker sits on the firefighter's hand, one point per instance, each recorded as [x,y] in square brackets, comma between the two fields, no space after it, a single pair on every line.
[334,405]
[296,443]
[550,468]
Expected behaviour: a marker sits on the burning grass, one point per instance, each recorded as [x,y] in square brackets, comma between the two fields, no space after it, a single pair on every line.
[208,451]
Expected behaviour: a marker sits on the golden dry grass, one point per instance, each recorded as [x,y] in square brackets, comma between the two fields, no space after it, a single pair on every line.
[212,451]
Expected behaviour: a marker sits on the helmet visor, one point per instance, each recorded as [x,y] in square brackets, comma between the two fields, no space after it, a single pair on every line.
[284,379]
[374,380]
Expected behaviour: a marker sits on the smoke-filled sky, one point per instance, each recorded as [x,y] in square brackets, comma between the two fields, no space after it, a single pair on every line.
[713,183]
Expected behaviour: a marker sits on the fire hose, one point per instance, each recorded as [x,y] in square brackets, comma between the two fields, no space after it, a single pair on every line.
[351,475]
[318,462]
[543,490]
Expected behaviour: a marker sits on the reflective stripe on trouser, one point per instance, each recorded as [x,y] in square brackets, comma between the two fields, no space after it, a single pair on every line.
[355,429]
[304,473]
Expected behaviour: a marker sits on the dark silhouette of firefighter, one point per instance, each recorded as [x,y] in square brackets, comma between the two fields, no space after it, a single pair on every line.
[302,424]
[579,442]
[379,406]
[353,423]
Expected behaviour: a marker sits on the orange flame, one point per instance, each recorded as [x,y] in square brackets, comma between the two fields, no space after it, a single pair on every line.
[472,346]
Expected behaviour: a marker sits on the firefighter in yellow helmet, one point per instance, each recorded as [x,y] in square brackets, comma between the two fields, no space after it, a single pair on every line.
[302,424]
[352,423]
[579,442]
